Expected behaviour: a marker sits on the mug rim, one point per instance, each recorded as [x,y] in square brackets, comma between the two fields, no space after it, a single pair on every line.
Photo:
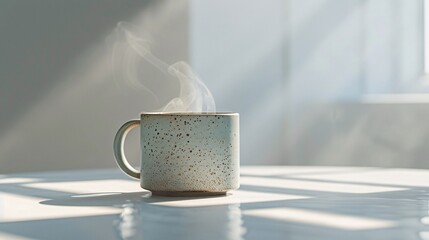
[190,113]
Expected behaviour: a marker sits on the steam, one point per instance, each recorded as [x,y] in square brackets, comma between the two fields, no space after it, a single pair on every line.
[129,49]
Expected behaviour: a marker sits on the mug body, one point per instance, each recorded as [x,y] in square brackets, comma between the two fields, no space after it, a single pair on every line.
[190,152]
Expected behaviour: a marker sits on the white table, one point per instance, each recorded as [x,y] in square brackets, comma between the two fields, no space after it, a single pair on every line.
[272,203]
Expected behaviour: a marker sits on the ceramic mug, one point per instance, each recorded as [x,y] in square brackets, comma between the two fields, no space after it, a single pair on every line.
[184,153]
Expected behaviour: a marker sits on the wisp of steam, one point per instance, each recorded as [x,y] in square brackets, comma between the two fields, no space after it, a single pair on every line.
[194,96]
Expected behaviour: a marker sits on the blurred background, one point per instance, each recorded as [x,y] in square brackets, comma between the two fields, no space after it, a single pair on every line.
[316,82]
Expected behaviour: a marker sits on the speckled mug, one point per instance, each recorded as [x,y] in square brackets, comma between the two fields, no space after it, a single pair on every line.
[184,153]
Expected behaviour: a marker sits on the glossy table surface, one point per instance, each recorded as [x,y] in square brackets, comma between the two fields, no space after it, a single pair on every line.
[272,203]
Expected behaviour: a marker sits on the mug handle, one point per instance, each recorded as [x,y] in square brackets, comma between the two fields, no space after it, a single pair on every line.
[118,148]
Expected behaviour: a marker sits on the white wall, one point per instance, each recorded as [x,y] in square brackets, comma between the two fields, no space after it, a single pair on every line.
[339,52]
[296,71]
[60,106]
